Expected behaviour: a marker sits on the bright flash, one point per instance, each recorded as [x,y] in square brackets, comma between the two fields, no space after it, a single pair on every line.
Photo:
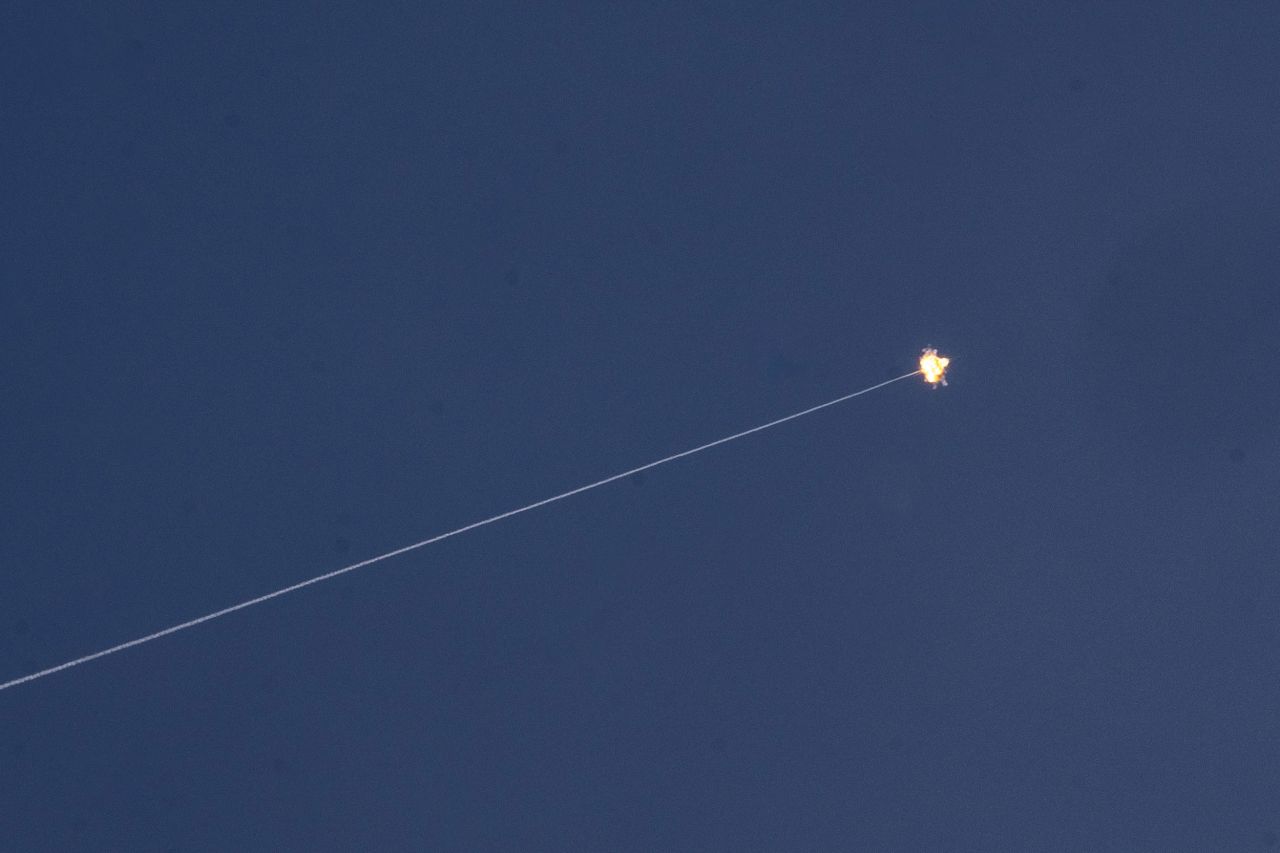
[934,367]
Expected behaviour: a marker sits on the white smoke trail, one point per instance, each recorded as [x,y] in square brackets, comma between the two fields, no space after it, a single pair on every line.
[208,617]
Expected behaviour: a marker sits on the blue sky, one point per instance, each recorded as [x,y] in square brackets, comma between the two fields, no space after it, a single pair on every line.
[287,288]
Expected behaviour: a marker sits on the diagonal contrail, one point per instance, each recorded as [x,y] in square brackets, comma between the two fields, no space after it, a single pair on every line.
[209,617]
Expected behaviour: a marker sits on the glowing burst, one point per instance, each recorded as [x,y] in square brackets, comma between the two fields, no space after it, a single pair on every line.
[934,367]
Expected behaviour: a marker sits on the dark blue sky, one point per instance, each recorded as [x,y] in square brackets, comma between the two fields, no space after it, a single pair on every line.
[286,288]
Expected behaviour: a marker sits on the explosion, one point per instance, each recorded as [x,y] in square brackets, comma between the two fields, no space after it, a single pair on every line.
[934,367]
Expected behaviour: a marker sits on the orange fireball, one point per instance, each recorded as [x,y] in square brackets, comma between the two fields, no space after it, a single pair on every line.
[934,367]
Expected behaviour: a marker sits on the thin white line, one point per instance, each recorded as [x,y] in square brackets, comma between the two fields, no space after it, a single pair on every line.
[191,623]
